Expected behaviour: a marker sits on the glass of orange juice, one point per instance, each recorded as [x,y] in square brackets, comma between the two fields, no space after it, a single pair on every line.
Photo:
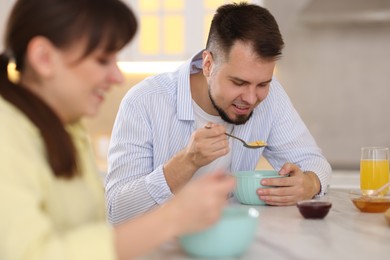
[374,169]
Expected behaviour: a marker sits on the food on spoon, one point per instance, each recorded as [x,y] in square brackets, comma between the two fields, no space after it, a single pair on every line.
[257,143]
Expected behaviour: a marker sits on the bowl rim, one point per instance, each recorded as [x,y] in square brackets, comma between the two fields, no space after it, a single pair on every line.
[314,202]
[258,174]
[373,200]
[242,210]
[356,194]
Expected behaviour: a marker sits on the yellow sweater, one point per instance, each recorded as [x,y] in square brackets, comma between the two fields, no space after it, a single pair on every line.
[43,217]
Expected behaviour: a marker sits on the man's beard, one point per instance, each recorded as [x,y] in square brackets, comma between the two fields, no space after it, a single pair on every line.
[240,120]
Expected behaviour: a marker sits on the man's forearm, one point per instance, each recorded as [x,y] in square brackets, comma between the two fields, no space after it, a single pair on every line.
[178,171]
[130,201]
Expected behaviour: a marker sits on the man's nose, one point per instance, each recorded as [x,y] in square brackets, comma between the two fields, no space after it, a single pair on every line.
[250,95]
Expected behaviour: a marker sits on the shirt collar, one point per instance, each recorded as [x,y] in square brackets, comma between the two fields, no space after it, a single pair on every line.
[184,98]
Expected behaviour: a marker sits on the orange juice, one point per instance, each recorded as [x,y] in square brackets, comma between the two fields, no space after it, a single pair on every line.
[373,175]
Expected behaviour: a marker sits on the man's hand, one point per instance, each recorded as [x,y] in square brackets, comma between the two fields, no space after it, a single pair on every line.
[288,191]
[205,145]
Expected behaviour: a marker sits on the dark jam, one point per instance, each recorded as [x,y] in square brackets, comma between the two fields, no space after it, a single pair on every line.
[314,209]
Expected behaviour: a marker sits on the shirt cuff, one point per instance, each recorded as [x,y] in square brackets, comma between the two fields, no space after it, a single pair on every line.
[157,186]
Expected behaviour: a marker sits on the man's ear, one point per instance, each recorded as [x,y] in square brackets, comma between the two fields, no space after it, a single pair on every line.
[41,56]
[207,64]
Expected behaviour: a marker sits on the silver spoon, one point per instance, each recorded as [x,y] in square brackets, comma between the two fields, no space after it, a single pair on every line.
[252,145]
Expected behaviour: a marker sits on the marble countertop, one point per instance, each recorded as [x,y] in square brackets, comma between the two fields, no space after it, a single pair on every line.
[282,233]
[345,179]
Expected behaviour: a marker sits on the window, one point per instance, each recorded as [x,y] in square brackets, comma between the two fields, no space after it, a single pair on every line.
[171,30]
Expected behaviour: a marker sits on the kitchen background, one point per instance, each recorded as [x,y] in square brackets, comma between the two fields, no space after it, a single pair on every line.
[335,66]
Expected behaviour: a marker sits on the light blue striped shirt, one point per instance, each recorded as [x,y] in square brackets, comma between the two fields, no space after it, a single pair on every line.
[155,121]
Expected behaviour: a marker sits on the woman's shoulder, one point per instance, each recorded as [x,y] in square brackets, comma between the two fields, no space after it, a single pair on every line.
[17,132]
[12,118]
[22,148]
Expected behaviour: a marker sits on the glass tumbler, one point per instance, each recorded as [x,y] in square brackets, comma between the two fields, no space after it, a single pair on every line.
[374,169]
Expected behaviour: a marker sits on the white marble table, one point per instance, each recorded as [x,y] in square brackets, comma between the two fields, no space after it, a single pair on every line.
[283,233]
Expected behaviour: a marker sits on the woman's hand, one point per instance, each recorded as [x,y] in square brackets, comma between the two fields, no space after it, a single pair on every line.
[200,202]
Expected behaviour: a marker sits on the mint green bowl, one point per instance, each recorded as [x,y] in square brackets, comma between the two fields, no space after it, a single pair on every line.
[231,236]
[247,182]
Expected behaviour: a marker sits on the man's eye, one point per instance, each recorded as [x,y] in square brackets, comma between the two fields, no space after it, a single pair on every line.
[238,83]
[263,85]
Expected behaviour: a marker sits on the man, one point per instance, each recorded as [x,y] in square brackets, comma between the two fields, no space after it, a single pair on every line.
[176,128]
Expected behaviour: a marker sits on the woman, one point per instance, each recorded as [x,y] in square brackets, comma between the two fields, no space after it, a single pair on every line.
[53,204]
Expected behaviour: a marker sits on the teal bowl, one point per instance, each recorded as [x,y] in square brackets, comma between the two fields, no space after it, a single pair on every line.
[231,236]
[247,182]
